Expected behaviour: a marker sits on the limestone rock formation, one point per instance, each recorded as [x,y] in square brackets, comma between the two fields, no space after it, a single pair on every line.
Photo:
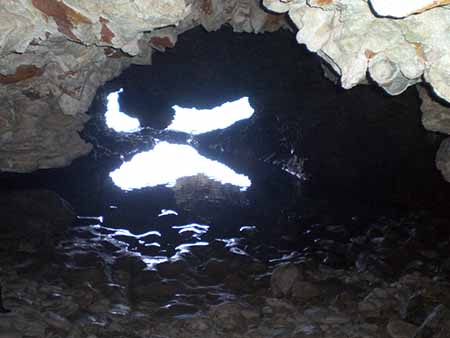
[443,159]
[435,116]
[403,8]
[361,39]
[55,54]
[395,53]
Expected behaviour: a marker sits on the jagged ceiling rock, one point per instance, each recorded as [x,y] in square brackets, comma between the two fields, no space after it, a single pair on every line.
[115,23]
[44,102]
[55,54]
[366,38]
[395,53]
[443,159]
[404,8]
[435,116]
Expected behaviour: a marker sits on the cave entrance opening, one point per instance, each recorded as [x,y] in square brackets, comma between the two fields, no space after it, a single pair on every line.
[187,120]
[359,147]
[168,162]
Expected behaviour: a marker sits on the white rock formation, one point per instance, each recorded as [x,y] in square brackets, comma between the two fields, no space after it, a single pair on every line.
[404,8]
[395,53]
[54,54]
[358,43]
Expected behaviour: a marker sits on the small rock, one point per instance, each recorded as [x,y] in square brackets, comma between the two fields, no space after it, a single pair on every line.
[177,309]
[283,279]
[335,319]
[216,269]
[129,263]
[57,321]
[437,324]
[377,301]
[173,268]
[157,290]
[10,333]
[302,290]
[196,323]
[307,330]
[228,316]
[413,310]
[400,329]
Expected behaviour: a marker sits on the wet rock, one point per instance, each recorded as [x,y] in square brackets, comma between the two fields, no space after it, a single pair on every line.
[10,333]
[157,290]
[76,277]
[413,310]
[335,319]
[276,305]
[175,309]
[129,263]
[88,259]
[227,316]
[303,291]
[400,329]
[346,302]
[436,116]
[443,158]
[173,268]
[309,329]
[216,269]
[33,220]
[378,301]
[145,277]
[196,323]
[238,283]
[29,322]
[57,321]
[437,324]
[283,279]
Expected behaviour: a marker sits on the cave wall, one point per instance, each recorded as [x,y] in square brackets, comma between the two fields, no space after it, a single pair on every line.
[394,44]
[55,54]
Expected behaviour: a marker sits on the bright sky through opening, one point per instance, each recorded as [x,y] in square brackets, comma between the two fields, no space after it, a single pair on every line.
[198,121]
[166,163]
[117,120]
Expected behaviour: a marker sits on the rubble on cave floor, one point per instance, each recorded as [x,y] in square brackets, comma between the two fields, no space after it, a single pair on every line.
[395,284]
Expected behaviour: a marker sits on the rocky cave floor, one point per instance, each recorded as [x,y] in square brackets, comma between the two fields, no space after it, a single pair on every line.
[305,275]
[390,280]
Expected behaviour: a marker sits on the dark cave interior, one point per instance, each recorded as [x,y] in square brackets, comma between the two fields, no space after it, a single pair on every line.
[370,199]
[360,144]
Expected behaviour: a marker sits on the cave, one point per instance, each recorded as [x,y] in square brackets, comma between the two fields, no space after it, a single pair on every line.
[223,175]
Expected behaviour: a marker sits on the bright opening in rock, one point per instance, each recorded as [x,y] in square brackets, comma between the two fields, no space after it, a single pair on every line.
[166,163]
[198,121]
[117,120]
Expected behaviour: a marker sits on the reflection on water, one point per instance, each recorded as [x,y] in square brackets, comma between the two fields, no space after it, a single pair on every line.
[166,212]
[185,248]
[117,120]
[127,233]
[196,230]
[196,193]
[166,163]
[197,121]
